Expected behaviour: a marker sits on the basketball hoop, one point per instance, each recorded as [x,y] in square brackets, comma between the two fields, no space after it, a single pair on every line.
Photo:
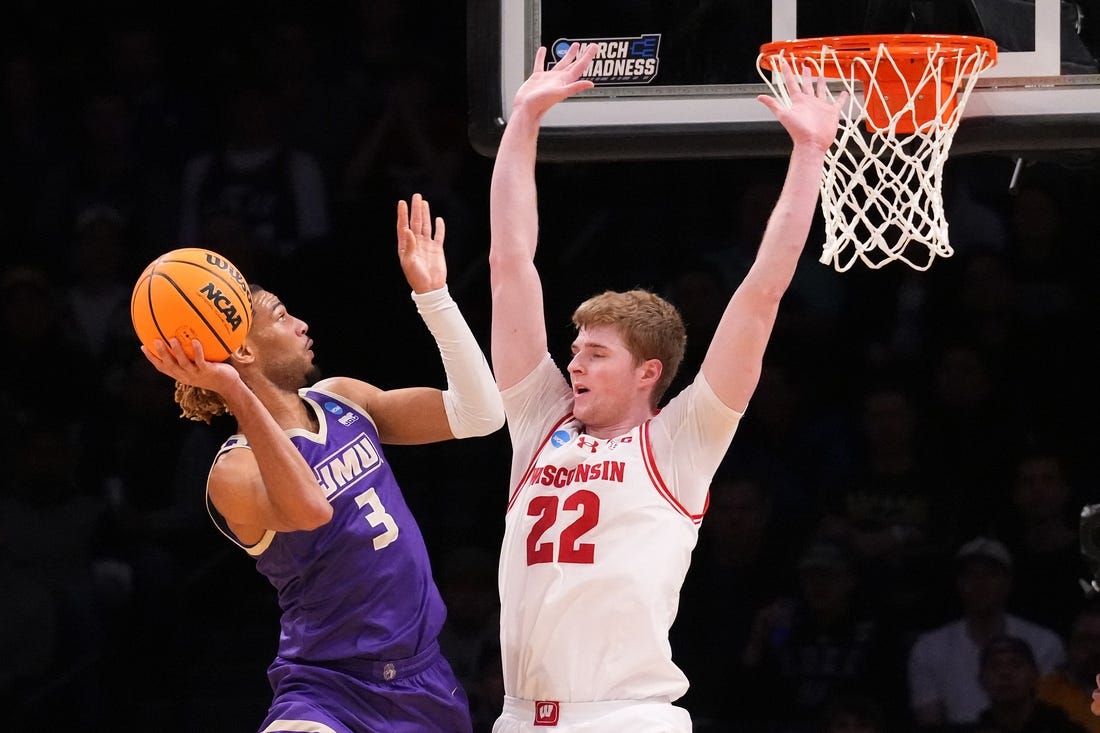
[881,183]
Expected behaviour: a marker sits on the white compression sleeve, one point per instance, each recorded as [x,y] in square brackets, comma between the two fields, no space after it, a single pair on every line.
[471,399]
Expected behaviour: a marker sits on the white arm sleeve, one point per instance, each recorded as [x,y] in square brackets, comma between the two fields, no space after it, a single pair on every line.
[471,399]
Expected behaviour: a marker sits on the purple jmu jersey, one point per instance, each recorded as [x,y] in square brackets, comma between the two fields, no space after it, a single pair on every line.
[361,585]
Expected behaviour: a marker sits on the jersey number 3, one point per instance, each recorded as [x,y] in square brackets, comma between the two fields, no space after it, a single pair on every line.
[378,516]
[569,547]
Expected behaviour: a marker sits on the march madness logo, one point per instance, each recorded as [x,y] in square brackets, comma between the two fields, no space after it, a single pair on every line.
[632,60]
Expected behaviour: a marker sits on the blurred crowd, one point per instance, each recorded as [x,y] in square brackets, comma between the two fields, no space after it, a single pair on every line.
[914,462]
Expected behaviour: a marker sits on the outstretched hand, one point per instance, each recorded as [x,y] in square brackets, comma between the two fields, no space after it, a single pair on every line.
[546,87]
[420,252]
[810,117]
[1095,706]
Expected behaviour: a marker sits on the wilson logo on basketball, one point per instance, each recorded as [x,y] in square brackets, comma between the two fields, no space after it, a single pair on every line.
[215,261]
[223,305]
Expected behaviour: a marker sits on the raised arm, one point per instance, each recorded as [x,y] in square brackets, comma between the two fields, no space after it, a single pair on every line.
[471,404]
[733,361]
[519,327]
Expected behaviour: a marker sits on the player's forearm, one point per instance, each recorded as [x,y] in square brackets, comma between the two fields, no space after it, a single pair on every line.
[513,198]
[471,400]
[789,223]
[290,488]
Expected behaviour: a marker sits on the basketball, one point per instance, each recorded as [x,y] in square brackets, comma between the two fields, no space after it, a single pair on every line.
[192,293]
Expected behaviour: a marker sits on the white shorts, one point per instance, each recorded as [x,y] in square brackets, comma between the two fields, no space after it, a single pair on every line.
[612,716]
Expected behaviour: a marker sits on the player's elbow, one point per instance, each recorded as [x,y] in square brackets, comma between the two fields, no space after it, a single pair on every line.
[475,425]
[478,412]
[309,515]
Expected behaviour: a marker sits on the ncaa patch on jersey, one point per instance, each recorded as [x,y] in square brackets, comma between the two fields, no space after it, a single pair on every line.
[560,438]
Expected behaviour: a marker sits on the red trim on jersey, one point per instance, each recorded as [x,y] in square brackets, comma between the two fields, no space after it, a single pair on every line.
[534,457]
[650,463]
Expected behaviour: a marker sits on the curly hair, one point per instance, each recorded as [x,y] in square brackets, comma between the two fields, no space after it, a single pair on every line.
[651,327]
[201,405]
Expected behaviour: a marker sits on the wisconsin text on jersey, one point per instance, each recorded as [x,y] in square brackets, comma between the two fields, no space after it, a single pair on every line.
[560,476]
[631,60]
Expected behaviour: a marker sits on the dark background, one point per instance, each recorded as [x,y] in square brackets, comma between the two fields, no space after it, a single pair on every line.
[126,610]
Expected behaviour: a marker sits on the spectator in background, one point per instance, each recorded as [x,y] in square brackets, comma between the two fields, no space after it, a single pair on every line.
[467,581]
[1069,686]
[796,437]
[105,168]
[51,524]
[30,144]
[894,510]
[824,641]
[405,149]
[1009,676]
[741,563]
[1040,527]
[972,427]
[944,662]
[42,351]
[97,293]
[853,713]
[167,120]
[277,190]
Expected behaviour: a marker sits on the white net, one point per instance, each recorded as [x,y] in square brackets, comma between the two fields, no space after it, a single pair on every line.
[881,184]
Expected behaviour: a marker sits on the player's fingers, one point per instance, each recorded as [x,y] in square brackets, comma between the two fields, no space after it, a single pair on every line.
[425,218]
[151,356]
[789,78]
[585,58]
[770,102]
[416,213]
[405,240]
[579,86]
[402,217]
[569,57]
[540,59]
[440,230]
[806,81]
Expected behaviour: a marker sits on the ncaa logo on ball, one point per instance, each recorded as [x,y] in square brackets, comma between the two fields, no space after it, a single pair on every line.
[222,304]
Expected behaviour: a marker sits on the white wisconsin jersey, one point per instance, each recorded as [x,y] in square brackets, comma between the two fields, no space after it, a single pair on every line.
[598,538]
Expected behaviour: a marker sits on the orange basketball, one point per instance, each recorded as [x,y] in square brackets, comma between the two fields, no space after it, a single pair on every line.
[192,293]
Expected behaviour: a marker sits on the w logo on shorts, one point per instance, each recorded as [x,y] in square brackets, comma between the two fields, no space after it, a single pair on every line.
[546,712]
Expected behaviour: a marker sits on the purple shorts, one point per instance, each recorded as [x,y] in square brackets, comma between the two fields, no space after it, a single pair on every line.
[416,695]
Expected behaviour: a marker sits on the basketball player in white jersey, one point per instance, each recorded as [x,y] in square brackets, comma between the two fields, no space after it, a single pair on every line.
[608,487]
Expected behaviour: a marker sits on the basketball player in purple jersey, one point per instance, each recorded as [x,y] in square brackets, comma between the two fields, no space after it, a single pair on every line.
[307,491]
[607,489]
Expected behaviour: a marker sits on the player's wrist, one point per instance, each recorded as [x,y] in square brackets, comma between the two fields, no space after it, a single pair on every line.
[431,300]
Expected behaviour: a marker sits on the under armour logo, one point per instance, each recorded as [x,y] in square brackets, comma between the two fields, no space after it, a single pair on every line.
[389,671]
[584,442]
[546,712]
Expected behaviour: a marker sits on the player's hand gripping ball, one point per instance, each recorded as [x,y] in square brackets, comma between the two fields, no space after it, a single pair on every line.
[192,293]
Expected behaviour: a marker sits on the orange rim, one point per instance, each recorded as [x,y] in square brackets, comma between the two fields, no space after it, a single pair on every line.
[900,45]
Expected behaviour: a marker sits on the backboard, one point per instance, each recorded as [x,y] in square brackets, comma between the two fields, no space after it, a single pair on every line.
[679,79]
